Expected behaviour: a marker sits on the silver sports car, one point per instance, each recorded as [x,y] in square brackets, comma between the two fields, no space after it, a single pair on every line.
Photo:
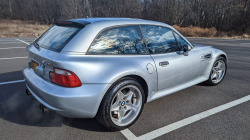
[109,67]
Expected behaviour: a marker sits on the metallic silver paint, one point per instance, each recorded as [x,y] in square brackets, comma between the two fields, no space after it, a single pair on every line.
[165,92]
[42,56]
[80,102]
[98,72]
[179,70]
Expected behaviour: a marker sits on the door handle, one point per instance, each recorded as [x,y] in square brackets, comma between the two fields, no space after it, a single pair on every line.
[208,56]
[165,63]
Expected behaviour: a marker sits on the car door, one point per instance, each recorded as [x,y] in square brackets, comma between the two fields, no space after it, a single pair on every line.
[173,67]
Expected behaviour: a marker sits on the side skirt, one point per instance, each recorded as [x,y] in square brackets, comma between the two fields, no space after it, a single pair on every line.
[174,89]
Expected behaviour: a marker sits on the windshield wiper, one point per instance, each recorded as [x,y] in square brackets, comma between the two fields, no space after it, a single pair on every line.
[36,45]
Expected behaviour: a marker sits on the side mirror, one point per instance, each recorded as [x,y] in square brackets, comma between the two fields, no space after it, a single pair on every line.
[186,49]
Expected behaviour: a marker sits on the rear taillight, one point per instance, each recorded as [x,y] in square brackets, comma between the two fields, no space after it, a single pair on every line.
[64,78]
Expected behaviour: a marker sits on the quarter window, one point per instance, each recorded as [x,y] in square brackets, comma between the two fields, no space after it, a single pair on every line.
[119,40]
[181,41]
[159,39]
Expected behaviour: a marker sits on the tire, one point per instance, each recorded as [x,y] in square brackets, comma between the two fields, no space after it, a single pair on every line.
[212,81]
[122,105]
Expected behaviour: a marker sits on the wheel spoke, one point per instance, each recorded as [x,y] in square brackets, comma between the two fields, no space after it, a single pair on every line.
[116,103]
[220,71]
[219,65]
[120,95]
[217,76]
[214,70]
[222,67]
[121,115]
[129,96]
[115,108]
[130,107]
[213,75]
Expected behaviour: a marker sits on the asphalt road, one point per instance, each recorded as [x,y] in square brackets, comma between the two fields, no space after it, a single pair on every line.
[20,117]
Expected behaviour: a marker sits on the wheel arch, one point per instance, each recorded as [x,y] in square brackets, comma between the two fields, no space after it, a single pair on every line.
[142,82]
[224,56]
[139,79]
[219,53]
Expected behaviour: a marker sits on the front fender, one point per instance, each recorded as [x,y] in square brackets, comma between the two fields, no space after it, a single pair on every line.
[206,65]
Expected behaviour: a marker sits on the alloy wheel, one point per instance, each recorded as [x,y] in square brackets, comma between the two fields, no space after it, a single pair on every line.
[218,71]
[126,105]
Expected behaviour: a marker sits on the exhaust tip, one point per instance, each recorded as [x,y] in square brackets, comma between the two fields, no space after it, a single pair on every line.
[28,92]
[44,108]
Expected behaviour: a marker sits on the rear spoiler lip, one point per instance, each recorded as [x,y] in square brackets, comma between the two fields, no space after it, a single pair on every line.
[71,23]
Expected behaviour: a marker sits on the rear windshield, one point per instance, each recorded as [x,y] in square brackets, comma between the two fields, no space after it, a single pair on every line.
[56,37]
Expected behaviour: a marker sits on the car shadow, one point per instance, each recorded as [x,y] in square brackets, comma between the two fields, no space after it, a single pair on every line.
[203,84]
[17,107]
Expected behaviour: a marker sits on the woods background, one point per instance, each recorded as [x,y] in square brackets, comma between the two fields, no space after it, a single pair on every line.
[223,15]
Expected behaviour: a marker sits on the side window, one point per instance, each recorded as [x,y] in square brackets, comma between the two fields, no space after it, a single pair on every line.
[159,39]
[119,40]
[180,41]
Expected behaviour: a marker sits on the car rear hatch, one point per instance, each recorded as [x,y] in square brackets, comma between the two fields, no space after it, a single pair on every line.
[46,47]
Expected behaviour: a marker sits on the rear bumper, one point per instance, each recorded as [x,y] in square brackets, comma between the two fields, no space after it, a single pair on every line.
[79,102]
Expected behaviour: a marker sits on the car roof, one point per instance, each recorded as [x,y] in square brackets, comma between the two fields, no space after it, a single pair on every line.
[102,19]
[85,21]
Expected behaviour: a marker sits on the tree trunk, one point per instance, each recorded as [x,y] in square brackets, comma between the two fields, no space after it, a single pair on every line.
[246,6]
[10,9]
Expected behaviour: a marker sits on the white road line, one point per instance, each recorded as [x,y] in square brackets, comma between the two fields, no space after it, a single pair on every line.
[225,40]
[244,43]
[201,37]
[192,119]
[128,134]
[216,38]
[18,81]
[9,42]
[13,58]
[166,129]
[13,48]
[23,41]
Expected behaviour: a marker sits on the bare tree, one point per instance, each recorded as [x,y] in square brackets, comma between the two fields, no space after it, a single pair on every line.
[222,14]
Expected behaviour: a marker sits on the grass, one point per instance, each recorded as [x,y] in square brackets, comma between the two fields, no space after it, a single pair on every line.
[209,32]
[18,28]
